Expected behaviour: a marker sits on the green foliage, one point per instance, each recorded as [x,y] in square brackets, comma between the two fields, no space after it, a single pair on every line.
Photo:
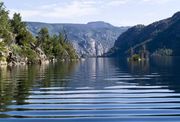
[71,51]
[17,50]
[2,49]
[134,57]
[23,36]
[5,27]
[2,58]
[30,54]
[17,24]
[55,46]
[2,46]
[22,44]
[25,52]
[163,52]
[43,37]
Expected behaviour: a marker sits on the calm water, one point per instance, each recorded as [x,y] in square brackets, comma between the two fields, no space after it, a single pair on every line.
[107,90]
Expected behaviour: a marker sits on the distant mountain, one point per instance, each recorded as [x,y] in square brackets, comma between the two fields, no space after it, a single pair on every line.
[161,38]
[91,39]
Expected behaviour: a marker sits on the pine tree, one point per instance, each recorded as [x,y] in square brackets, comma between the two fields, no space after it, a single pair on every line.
[5,27]
[17,24]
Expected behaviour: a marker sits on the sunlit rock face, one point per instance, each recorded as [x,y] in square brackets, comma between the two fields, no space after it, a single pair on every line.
[99,49]
[91,39]
[90,47]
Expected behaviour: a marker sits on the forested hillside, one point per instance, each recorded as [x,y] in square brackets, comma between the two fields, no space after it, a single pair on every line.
[19,46]
[160,38]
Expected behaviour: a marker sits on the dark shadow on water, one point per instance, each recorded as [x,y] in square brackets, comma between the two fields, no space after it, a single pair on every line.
[166,68]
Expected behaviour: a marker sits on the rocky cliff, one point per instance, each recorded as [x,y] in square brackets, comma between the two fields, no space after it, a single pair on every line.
[91,39]
[160,38]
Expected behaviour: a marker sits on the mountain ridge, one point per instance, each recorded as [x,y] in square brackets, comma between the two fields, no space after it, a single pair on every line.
[91,39]
[164,34]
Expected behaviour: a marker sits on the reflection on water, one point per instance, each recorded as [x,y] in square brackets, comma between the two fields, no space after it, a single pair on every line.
[139,67]
[16,82]
[164,62]
[92,90]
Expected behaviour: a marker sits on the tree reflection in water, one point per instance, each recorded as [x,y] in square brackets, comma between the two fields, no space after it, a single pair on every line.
[17,82]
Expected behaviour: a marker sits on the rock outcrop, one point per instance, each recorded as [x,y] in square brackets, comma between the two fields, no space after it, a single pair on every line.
[91,39]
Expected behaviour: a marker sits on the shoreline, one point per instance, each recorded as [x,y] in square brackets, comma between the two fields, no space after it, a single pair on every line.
[11,64]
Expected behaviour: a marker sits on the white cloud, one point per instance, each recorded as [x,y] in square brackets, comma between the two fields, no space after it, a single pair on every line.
[66,10]
[117,2]
[76,8]
[48,6]
[156,1]
[81,11]
[25,13]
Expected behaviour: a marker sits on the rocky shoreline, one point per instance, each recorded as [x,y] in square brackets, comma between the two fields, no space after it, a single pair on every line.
[44,62]
[10,59]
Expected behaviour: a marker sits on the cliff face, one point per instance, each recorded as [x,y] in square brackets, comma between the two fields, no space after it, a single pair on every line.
[91,39]
[163,35]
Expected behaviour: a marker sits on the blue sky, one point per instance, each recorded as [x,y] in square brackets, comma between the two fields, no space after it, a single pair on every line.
[116,12]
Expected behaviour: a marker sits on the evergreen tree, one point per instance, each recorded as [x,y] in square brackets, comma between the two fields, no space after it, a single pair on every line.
[22,44]
[17,24]
[23,36]
[5,27]
[43,36]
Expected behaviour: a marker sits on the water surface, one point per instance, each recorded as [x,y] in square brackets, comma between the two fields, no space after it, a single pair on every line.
[106,90]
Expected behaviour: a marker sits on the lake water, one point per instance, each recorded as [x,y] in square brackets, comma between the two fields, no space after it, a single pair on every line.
[94,90]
